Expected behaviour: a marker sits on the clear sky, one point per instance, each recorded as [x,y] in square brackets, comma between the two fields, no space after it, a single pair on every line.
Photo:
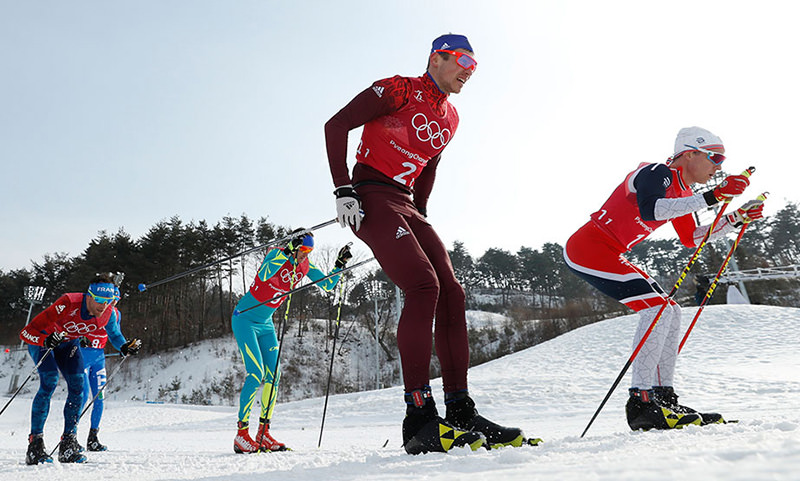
[120,114]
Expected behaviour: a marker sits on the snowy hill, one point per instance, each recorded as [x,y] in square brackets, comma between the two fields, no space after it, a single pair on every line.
[210,372]
[743,361]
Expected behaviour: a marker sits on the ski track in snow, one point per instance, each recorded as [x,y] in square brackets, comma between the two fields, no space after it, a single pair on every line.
[742,361]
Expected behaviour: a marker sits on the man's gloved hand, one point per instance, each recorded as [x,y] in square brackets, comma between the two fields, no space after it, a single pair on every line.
[131,347]
[348,205]
[53,340]
[732,186]
[294,244]
[344,256]
[750,211]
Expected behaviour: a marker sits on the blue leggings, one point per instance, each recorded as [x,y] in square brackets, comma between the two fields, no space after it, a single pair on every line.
[94,361]
[66,358]
[258,346]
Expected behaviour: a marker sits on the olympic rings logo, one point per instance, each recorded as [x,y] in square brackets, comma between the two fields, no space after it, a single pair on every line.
[430,131]
[288,277]
[80,328]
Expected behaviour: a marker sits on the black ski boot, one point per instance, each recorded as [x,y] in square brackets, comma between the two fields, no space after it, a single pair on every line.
[644,412]
[424,431]
[69,451]
[665,395]
[37,453]
[93,444]
[462,414]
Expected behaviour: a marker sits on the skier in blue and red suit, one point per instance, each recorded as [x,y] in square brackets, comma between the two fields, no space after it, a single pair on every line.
[94,360]
[407,122]
[281,270]
[54,336]
[649,197]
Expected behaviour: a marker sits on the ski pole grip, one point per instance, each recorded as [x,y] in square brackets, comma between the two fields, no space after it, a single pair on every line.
[763,196]
[749,171]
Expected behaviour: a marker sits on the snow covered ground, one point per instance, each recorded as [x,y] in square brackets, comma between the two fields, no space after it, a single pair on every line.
[743,361]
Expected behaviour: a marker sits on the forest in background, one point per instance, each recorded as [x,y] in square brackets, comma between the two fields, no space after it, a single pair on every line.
[531,286]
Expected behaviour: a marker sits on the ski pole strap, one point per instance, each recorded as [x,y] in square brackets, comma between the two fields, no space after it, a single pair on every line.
[306,286]
[143,287]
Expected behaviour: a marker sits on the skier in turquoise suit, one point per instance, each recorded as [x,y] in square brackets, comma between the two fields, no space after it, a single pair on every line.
[281,270]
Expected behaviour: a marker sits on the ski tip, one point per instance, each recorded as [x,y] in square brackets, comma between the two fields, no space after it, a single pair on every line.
[532,442]
[142,287]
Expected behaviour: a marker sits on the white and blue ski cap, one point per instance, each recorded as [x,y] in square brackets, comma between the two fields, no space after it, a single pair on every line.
[690,138]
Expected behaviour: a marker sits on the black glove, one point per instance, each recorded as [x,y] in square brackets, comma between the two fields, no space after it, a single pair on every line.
[343,256]
[423,211]
[294,244]
[131,347]
[84,341]
[53,340]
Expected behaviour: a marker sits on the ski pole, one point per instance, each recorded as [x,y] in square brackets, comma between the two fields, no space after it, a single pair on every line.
[667,300]
[330,369]
[306,286]
[284,328]
[142,287]
[99,392]
[713,284]
[26,379]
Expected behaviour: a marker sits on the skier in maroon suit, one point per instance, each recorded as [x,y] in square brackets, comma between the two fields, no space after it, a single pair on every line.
[408,121]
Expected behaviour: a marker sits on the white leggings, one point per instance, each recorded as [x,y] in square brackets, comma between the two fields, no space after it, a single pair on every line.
[655,363]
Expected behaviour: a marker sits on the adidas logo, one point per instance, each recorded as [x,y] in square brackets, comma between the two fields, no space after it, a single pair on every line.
[60,308]
[378,90]
[401,232]
[445,46]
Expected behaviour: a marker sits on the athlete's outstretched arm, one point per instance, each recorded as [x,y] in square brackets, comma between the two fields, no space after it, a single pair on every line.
[315,274]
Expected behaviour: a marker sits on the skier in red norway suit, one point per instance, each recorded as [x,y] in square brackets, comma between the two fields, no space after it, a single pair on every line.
[408,121]
[649,197]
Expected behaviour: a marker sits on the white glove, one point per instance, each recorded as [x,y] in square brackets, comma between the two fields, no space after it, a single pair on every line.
[348,205]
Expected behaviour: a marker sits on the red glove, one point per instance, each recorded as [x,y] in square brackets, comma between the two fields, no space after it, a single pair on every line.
[732,186]
[747,213]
